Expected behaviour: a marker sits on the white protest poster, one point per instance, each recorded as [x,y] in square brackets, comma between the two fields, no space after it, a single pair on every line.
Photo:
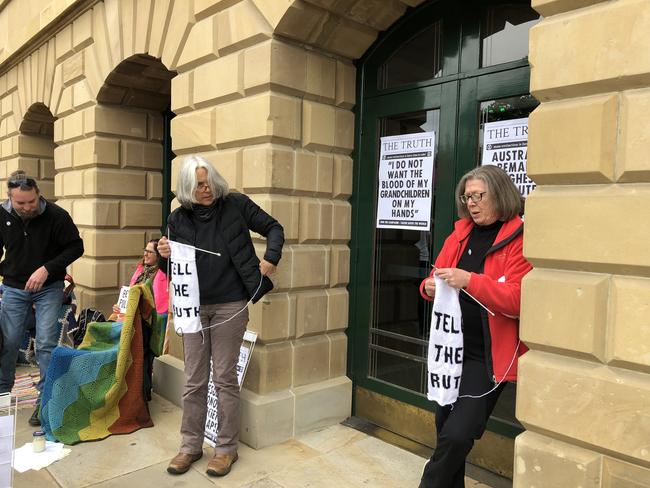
[184,288]
[123,299]
[445,359]
[211,420]
[405,182]
[505,144]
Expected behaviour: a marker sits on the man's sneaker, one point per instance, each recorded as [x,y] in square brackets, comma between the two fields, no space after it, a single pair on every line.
[34,420]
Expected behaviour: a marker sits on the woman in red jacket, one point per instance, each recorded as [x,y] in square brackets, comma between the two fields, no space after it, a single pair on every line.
[483,255]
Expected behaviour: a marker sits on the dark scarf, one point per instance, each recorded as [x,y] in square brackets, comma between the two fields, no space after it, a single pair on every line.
[148,272]
[204,213]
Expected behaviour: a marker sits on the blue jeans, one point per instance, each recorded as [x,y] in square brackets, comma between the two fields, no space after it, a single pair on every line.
[16,306]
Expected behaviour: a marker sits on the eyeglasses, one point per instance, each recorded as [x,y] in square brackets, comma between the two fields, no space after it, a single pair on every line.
[202,186]
[23,183]
[147,251]
[475,197]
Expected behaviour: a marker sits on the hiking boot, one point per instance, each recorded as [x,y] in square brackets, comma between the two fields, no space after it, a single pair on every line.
[181,462]
[34,420]
[220,464]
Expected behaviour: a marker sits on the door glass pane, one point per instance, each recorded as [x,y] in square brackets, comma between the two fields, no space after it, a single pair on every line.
[493,111]
[399,329]
[504,33]
[418,59]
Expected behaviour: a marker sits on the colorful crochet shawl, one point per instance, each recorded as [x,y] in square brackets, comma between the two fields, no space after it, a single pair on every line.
[99,389]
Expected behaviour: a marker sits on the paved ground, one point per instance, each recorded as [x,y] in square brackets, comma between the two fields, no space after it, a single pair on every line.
[336,456]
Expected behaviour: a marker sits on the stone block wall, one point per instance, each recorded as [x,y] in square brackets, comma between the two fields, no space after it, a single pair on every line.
[583,388]
[264,89]
[266,115]
[109,162]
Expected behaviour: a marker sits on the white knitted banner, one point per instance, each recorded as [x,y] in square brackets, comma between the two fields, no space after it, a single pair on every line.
[445,361]
[185,288]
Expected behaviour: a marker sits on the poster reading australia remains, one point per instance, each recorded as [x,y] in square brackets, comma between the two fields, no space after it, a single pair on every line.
[405,186]
[505,144]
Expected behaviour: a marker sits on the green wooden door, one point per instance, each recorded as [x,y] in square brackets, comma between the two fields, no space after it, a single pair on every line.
[432,72]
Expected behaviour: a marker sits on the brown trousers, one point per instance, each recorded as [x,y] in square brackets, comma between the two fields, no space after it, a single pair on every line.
[222,343]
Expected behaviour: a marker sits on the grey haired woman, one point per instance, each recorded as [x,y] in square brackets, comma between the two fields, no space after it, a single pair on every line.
[212,218]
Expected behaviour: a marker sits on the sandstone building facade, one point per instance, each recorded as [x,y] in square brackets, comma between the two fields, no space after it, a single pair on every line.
[101,99]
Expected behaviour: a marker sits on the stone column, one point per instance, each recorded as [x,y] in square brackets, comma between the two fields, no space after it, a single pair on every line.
[275,120]
[108,162]
[584,388]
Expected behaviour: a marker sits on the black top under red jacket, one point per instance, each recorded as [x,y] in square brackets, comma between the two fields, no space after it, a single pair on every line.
[51,240]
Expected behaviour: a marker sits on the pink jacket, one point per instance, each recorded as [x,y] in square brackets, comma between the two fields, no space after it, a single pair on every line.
[498,288]
[160,289]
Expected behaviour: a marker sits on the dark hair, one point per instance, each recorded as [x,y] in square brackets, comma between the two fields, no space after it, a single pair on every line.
[155,248]
[155,244]
[19,179]
[508,202]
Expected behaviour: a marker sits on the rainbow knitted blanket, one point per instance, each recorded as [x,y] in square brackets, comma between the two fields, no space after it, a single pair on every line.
[100,388]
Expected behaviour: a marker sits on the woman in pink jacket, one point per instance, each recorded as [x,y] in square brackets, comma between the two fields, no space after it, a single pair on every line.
[148,270]
[483,255]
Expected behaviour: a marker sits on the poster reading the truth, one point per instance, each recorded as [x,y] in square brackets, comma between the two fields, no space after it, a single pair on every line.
[505,144]
[405,182]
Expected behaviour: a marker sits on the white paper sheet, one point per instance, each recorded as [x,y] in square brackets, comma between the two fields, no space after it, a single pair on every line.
[25,458]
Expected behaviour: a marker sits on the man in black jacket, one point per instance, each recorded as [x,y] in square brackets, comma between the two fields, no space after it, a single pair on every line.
[40,240]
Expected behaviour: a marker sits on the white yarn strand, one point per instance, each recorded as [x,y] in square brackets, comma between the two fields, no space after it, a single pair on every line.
[514,356]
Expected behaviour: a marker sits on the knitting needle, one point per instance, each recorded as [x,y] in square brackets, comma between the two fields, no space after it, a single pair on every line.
[469,295]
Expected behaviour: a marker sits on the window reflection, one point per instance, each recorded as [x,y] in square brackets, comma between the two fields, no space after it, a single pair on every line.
[504,33]
[418,59]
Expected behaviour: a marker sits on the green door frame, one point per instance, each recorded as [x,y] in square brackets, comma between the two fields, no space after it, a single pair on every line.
[168,156]
[458,94]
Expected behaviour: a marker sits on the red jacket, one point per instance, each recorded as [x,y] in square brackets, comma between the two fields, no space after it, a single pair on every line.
[498,288]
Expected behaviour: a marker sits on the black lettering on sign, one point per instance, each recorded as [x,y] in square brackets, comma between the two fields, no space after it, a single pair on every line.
[447,323]
[186,312]
[181,290]
[444,381]
[180,269]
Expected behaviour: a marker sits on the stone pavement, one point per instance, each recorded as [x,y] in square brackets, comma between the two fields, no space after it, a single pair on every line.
[336,456]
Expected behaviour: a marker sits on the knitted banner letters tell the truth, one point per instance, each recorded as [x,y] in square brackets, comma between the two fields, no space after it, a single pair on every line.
[445,361]
[185,288]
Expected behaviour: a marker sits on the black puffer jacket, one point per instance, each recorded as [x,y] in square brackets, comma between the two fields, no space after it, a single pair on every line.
[236,216]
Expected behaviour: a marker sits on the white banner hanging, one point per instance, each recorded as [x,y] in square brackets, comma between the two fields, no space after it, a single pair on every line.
[445,360]
[185,288]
